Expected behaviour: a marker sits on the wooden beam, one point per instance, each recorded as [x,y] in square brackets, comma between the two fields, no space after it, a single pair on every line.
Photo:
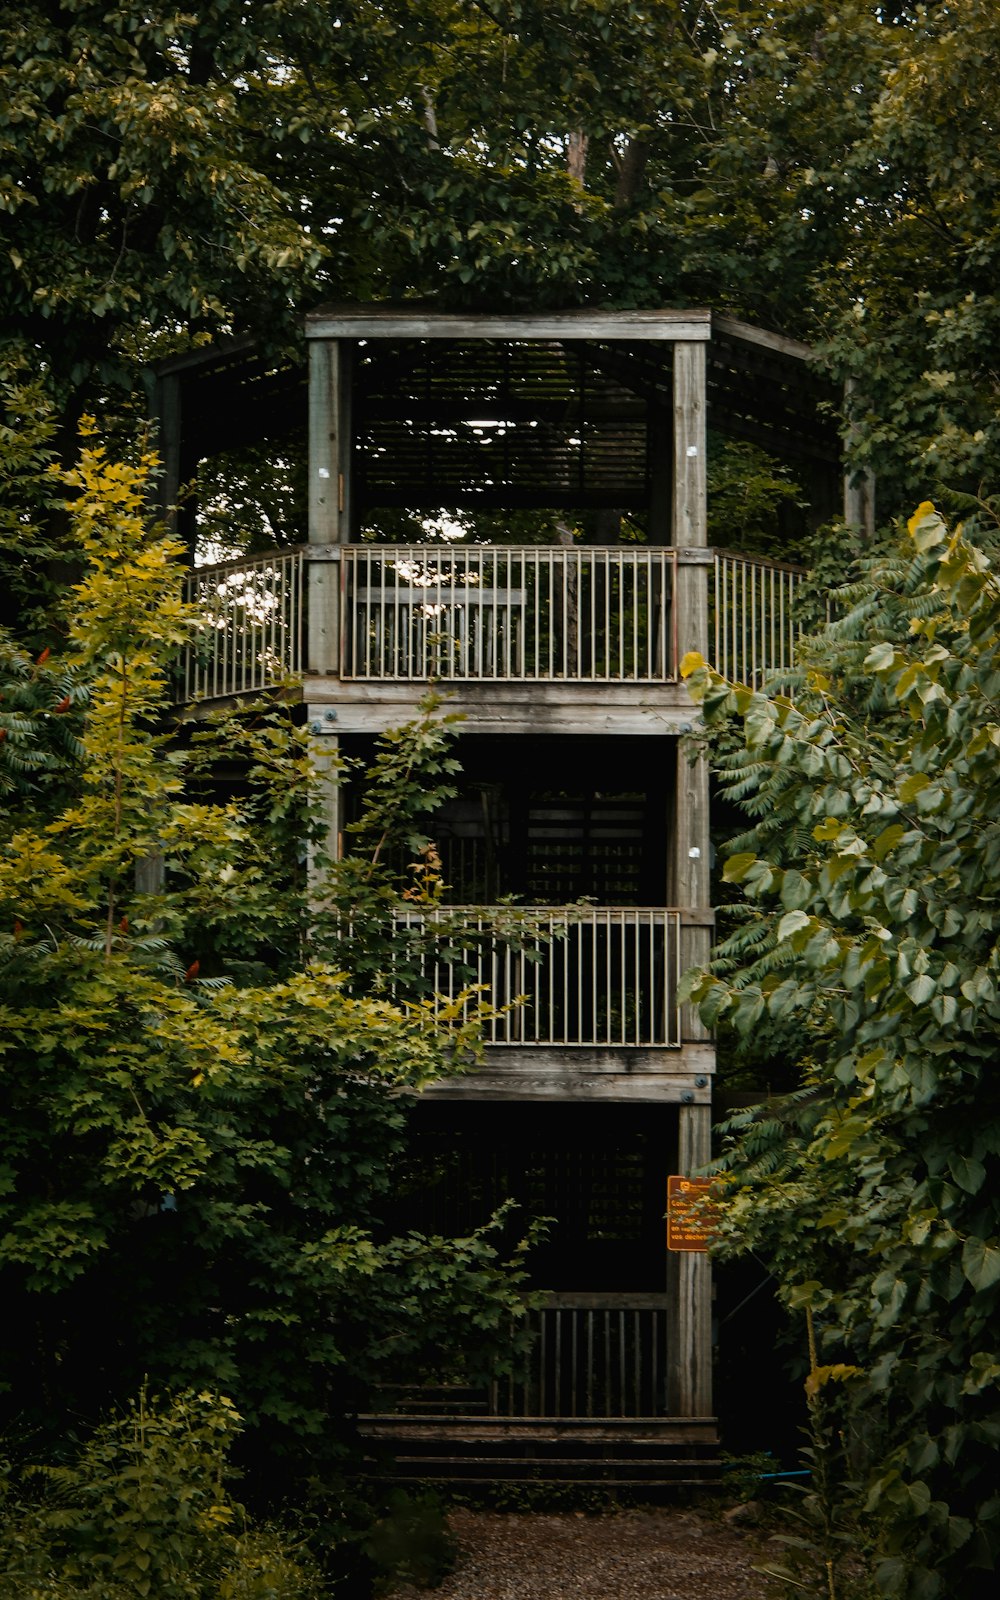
[689,1285]
[573,1088]
[747,333]
[368,706]
[373,322]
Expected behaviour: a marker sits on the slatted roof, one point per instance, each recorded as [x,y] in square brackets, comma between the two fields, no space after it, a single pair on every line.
[495,423]
[502,411]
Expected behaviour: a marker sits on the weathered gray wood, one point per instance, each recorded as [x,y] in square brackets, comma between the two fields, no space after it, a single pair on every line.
[859,487]
[570,1087]
[679,1062]
[859,501]
[589,1300]
[689,1285]
[396,322]
[166,415]
[690,526]
[666,1430]
[747,333]
[515,708]
[322,621]
[151,873]
[325,750]
[324,444]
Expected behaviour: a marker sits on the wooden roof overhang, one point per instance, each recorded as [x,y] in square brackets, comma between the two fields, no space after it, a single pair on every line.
[577,403]
[564,408]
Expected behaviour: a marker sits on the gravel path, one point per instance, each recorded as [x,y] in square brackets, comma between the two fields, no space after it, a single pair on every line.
[654,1554]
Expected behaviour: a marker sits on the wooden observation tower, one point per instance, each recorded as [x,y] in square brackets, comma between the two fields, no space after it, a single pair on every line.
[559,462]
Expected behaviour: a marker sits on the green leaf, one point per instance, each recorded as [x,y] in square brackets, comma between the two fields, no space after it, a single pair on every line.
[981,1262]
[796,890]
[792,922]
[737,867]
[968,1173]
[922,989]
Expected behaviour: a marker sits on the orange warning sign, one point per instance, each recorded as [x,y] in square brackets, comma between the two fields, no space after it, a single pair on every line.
[690,1214]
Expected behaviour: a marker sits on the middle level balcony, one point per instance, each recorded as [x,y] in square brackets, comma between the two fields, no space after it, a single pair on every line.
[370,625]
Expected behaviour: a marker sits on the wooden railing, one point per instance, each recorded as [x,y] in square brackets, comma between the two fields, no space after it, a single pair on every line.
[249,628]
[591,975]
[530,614]
[753,606]
[593,1355]
[516,613]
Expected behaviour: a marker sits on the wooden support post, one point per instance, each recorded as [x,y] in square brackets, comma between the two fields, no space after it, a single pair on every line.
[689,864]
[690,527]
[690,886]
[859,487]
[859,501]
[689,1287]
[326,756]
[690,518]
[328,472]
[165,412]
[689,1280]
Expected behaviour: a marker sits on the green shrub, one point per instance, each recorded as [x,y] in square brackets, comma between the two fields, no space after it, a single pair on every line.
[144,1509]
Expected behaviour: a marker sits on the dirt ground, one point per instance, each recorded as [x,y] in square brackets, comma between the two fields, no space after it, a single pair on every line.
[659,1553]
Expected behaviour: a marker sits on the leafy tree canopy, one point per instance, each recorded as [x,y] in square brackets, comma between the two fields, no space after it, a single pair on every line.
[872,874]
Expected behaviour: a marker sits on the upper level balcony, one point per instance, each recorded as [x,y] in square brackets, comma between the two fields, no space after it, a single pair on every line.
[524,615]
[512,504]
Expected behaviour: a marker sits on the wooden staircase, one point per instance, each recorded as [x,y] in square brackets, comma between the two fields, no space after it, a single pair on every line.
[447,1435]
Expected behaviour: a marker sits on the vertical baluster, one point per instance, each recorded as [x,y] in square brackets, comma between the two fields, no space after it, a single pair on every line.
[533,662]
[637,1321]
[523,604]
[373,621]
[676,929]
[255,609]
[558,1409]
[638,974]
[376,621]
[634,591]
[607,1363]
[566,556]
[388,661]
[241,665]
[590,1365]
[593,618]
[622,1407]
[218,618]
[542,1354]
[564,1030]
[774,644]
[581,1037]
[621,930]
[508,643]
[619,606]
[574,1362]
[604,1035]
[550,613]
[356,665]
[277,648]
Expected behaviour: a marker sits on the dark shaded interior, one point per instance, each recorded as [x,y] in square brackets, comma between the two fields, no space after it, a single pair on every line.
[598,1172]
[553,820]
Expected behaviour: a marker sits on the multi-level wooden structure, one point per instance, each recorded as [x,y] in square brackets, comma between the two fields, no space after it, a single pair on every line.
[563,657]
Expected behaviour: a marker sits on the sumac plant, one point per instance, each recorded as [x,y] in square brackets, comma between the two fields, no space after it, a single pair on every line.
[200,1116]
[871,880]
